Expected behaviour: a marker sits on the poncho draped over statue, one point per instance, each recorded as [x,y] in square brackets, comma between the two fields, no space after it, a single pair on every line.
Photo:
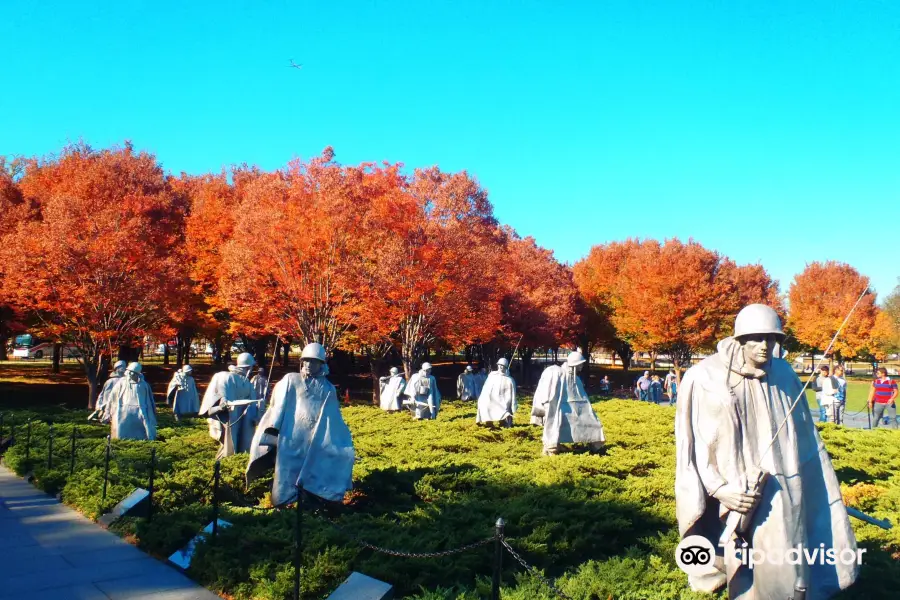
[563,407]
[232,428]
[498,399]
[313,442]
[131,410]
[726,417]
[422,391]
[391,392]
[103,399]
[467,386]
[182,394]
[260,385]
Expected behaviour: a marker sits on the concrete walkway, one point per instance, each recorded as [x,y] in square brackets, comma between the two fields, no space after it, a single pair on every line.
[51,552]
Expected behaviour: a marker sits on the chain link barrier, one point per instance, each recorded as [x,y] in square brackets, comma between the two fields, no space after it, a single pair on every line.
[534,571]
[401,553]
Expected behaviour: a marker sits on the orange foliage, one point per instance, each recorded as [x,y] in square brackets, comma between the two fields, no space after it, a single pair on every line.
[97,269]
[820,299]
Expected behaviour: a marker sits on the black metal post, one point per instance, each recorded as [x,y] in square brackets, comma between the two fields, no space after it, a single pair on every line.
[150,486]
[215,512]
[298,544]
[72,463]
[106,464]
[869,414]
[28,444]
[50,448]
[498,557]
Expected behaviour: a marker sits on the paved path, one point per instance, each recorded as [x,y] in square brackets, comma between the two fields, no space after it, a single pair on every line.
[51,552]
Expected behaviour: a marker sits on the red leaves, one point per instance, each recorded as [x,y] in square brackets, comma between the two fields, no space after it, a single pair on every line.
[821,297]
[657,295]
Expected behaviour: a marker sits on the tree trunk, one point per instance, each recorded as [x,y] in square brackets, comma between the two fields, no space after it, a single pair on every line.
[91,372]
[287,350]
[4,339]
[57,355]
[374,368]
[166,353]
[623,349]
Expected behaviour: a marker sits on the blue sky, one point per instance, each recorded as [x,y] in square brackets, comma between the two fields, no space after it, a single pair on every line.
[768,131]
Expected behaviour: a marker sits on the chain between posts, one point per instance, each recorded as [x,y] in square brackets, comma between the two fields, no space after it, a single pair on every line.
[533,571]
[402,554]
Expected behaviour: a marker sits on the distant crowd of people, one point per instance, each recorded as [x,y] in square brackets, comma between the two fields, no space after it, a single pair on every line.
[650,388]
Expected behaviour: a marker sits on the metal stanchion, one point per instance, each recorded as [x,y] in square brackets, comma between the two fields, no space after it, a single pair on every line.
[28,444]
[50,448]
[150,485]
[72,463]
[498,557]
[298,544]
[106,464]
[215,511]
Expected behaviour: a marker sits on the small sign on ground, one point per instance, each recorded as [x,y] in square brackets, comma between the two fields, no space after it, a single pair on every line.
[135,502]
[182,558]
[362,587]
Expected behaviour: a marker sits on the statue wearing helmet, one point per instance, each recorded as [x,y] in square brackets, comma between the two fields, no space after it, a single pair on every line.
[562,406]
[118,371]
[737,486]
[467,385]
[392,390]
[260,383]
[303,436]
[182,393]
[497,401]
[232,419]
[424,399]
[132,412]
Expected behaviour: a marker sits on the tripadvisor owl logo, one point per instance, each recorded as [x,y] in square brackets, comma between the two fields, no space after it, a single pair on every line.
[696,556]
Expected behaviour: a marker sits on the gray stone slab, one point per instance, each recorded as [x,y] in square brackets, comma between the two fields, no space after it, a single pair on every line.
[13,564]
[78,592]
[146,583]
[362,587]
[52,552]
[72,576]
[105,555]
[195,594]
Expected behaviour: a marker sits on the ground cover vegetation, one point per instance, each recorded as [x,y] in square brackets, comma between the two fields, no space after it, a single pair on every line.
[604,525]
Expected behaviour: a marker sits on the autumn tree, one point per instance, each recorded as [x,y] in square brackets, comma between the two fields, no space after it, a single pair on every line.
[597,278]
[294,261]
[821,297]
[539,303]
[13,209]
[96,270]
[885,335]
[672,298]
[209,226]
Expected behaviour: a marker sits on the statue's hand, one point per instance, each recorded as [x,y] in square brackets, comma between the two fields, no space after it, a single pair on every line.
[737,500]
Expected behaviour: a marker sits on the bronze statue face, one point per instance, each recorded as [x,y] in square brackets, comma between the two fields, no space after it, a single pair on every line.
[758,348]
[310,368]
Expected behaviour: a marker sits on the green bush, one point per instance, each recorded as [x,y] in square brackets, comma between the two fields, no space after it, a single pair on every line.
[603,526]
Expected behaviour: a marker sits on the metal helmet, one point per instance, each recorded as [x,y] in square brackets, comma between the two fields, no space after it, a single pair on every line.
[574,359]
[314,351]
[395,371]
[503,362]
[120,365]
[469,368]
[245,360]
[757,319]
[187,369]
[426,366]
[134,367]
